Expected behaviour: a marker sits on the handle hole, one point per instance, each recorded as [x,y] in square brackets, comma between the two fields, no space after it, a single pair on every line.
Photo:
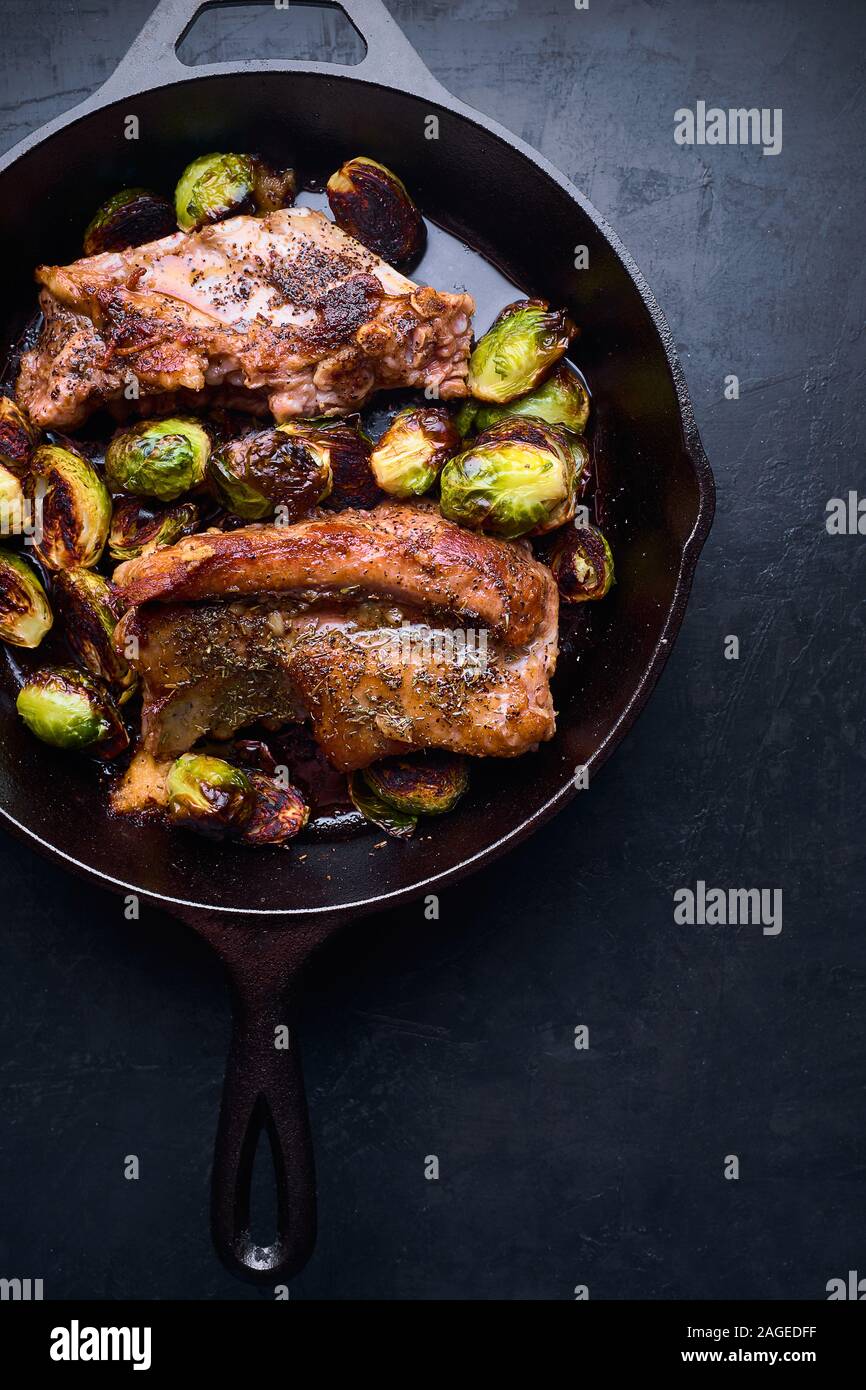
[260,1215]
[226,33]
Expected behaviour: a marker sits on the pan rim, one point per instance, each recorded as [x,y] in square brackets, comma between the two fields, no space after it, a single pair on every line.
[689,552]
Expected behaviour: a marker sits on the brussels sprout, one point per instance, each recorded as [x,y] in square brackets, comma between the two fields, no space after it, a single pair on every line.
[518,350]
[158,458]
[582,562]
[412,451]
[209,795]
[85,603]
[68,709]
[425,785]
[561,400]
[25,614]
[515,479]
[371,204]
[212,187]
[215,186]
[272,468]
[17,437]
[137,530]
[129,218]
[399,824]
[278,814]
[349,448]
[76,508]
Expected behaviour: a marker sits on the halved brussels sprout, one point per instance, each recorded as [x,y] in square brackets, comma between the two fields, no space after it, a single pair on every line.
[272,468]
[68,709]
[278,814]
[128,218]
[413,450]
[75,508]
[371,204]
[516,479]
[399,824]
[426,784]
[158,458]
[137,530]
[582,562]
[11,503]
[518,350]
[85,603]
[216,186]
[349,448]
[18,437]
[212,187]
[25,613]
[209,795]
[561,400]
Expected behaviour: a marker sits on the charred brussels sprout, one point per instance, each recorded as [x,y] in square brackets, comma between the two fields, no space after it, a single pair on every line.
[209,795]
[158,458]
[278,813]
[76,508]
[85,603]
[25,614]
[518,350]
[561,400]
[216,186]
[399,824]
[412,451]
[371,204]
[582,564]
[425,785]
[353,482]
[260,472]
[68,709]
[137,530]
[515,479]
[17,437]
[129,218]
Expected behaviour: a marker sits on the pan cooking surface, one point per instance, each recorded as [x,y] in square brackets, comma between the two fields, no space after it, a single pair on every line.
[654,494]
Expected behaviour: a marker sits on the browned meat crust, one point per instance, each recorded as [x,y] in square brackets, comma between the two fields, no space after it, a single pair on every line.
[408,553]
[375,679]
[285,312]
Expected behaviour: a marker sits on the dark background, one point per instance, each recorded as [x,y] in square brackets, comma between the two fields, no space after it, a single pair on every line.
[455,1038]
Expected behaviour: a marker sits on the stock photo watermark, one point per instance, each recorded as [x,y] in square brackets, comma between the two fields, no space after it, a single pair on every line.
[729,907]
[712,125]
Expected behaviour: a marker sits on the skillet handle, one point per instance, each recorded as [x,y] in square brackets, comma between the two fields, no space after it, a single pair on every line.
[263,1102]
[152,60]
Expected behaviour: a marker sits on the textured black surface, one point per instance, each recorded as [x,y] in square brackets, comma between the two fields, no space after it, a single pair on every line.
[557,1167]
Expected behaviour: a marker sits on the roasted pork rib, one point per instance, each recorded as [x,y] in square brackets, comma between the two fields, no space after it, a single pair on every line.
[284,313]
[391,629]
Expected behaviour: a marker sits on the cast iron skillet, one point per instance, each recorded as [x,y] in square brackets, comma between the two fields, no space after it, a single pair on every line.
[264,912]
